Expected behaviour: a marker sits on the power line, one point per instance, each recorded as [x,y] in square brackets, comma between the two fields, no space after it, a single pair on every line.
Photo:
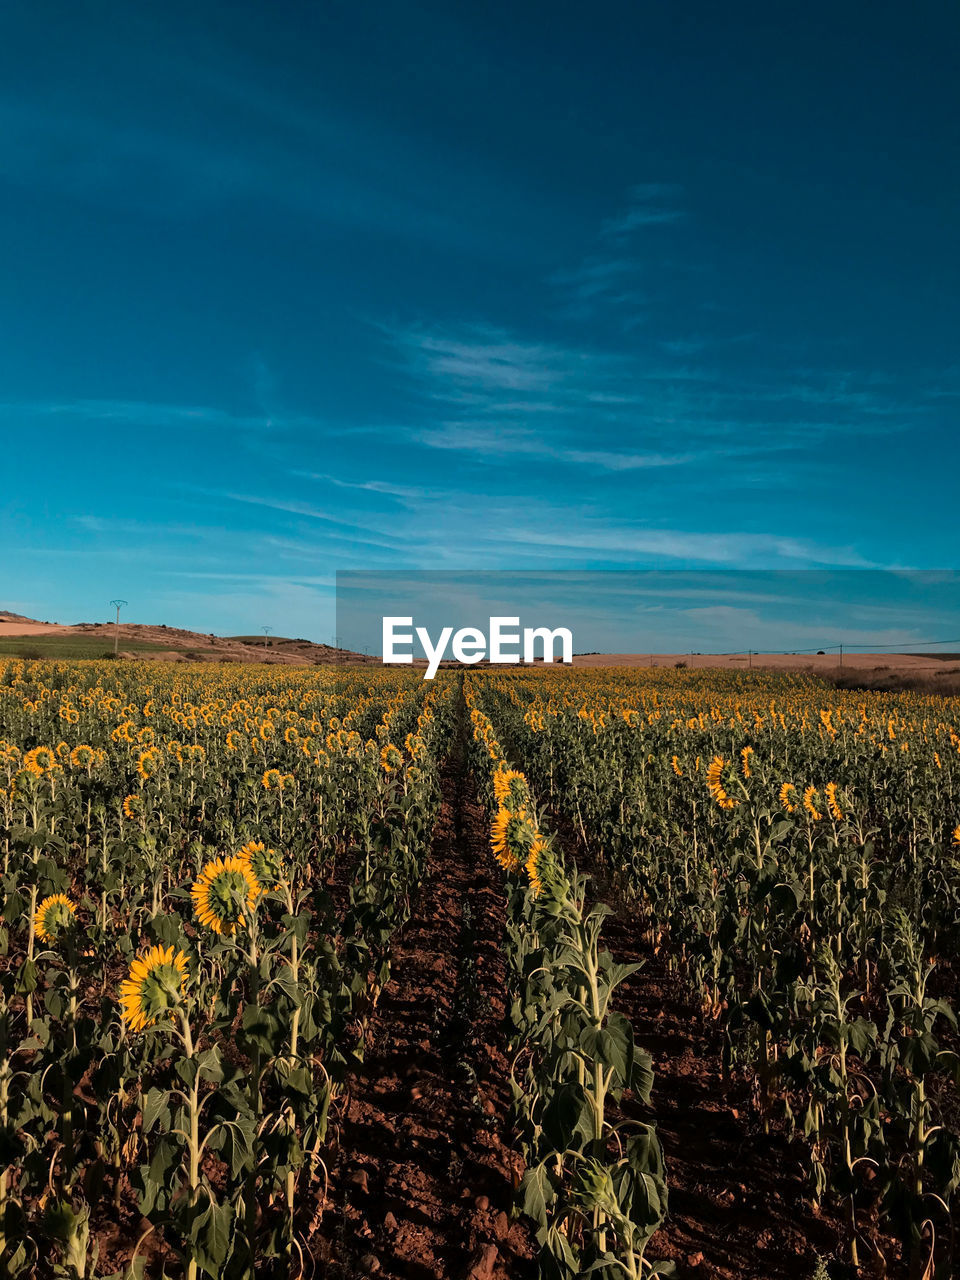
[903,646]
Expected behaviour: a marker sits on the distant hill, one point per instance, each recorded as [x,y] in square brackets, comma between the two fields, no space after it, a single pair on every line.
[27,638]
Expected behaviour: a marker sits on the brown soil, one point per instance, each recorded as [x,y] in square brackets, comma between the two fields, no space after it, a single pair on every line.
[423,1183]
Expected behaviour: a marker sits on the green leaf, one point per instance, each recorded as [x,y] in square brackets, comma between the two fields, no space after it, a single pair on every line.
[563,1115]
[214,1240]
[154,1106]
[537,1194]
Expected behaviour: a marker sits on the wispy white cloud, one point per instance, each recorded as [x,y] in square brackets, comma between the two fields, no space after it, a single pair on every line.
[384,487]
[651,204]
[725,549]
[599,276]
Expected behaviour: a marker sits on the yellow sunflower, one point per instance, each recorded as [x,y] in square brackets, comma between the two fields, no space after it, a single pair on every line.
[715,786]
[511,789]
[40,760]
[273,780]
[225,891]
[147,763]
[809,803]
[265,864]
[534,864]
[390,758]
[54,915]
[154,987]
[510,834]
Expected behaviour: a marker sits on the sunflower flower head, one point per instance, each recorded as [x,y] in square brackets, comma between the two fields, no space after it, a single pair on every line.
[788,793]
[266,864]
[510,789]
[511,835]
[833,803]
[715,784]
[147,763]
[54,916]
[535,866]
[390,758]
[224,894]
[39,761]
[154,987]
[810,798]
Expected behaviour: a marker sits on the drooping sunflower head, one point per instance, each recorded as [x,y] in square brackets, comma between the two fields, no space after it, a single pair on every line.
[273,780]
[132,806]
[154,987]
[715,784]
[82,757]
[810,798]
[224,894]
[510,789]
[147,763]
[535,863]
[40,760]
[788,795]
[266,864]
[511,835]
[391,758]
[54,916]
[833,803]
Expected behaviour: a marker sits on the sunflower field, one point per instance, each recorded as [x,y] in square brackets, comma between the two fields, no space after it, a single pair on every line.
[202,874]
[794,852]
[209,874]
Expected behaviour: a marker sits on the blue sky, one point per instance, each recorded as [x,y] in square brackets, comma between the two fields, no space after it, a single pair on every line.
[297,288]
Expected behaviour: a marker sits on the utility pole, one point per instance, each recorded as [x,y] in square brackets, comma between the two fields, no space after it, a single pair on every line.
[750,659]
[266,631]
[841,655]
[118,605]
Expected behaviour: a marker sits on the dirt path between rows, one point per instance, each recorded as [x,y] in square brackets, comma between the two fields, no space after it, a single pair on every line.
[422,1187]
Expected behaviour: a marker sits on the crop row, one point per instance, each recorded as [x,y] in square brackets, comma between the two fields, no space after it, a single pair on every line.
[202,874]
[795,852]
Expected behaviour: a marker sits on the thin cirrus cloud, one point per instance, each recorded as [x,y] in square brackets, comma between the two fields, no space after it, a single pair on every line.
[651,204]
[725,549]
[499,392]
